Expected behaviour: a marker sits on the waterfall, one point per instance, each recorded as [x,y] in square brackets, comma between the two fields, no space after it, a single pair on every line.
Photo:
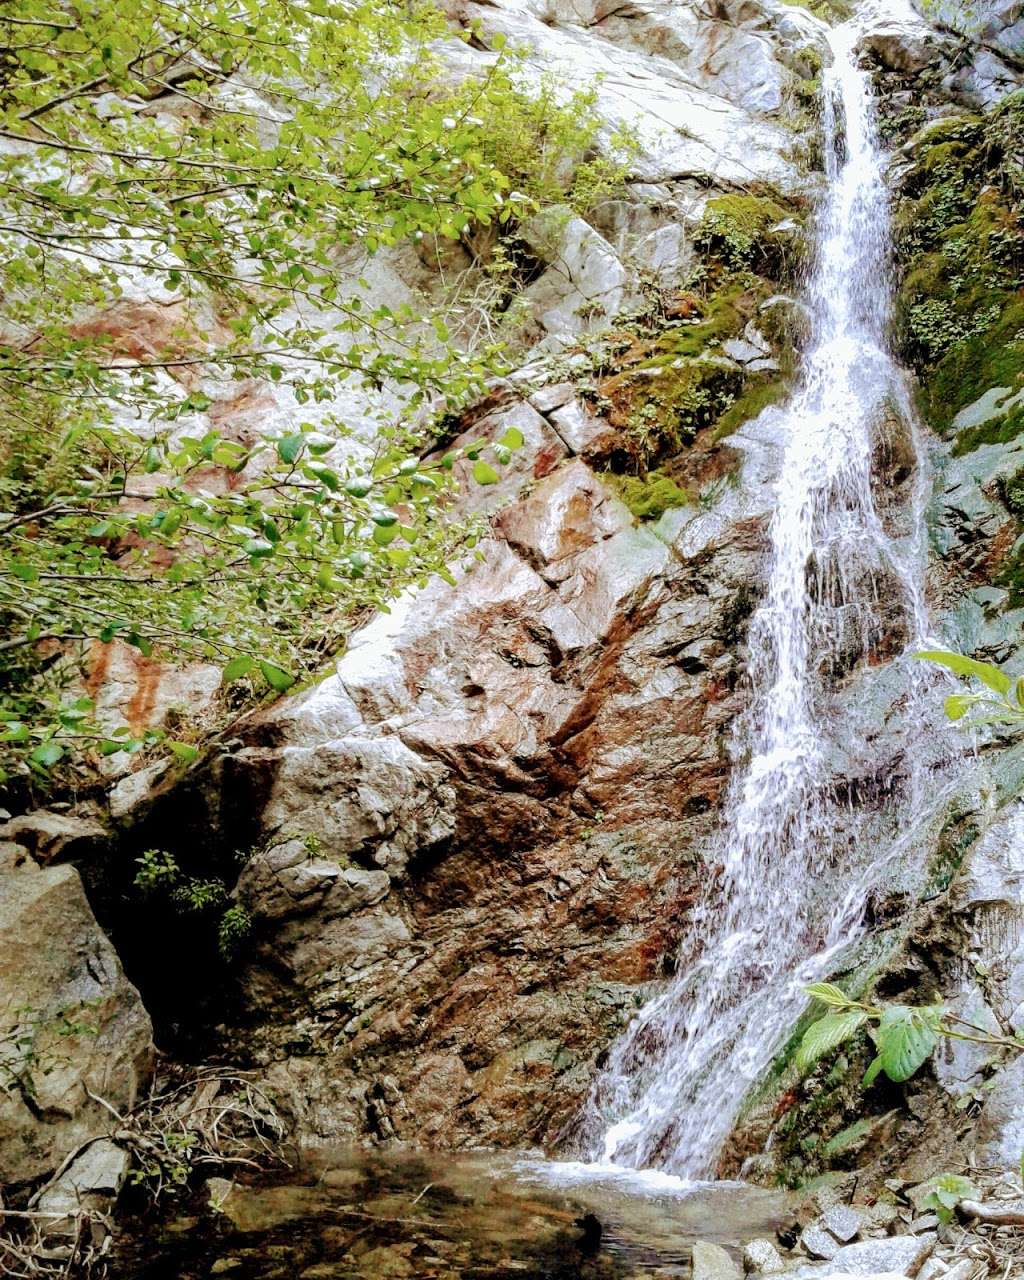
[792,871]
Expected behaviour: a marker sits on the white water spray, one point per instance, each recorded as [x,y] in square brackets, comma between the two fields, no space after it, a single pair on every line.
[799,855]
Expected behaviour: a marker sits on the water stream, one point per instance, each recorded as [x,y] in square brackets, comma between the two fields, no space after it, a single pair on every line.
[798,856]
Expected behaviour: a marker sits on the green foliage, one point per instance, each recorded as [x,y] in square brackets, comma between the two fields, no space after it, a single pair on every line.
[743,231]
[158,870]
[1006,707]
[160,877]
[233,931]
[947,1190]
[905,1036]
[186,190]
[960,235]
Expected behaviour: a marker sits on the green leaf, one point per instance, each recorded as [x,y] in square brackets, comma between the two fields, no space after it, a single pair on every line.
[276,677]
[872,1073]
[289,447]
[826,1034]
[906,1037]
[184,751]
[958,704]
[512,439]
[984,671]
[237,668]
[484,473]
[47,754]
[828,993]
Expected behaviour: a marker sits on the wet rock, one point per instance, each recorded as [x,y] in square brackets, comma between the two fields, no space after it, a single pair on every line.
[583,432]
[585,284]
[712,1262]
[73,1026]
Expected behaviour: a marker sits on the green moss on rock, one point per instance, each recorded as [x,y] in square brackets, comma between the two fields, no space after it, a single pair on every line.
[650,496]
[960,238]
[1000,429]
[747,230]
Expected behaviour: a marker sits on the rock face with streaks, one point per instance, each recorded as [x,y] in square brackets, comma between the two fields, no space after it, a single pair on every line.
[483,815]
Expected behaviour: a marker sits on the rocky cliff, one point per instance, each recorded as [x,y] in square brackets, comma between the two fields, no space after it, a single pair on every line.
[467,852]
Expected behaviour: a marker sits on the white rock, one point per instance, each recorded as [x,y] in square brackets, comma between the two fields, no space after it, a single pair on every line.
[712,1262]
[818,1242]
[896,1255]
[841,1221]
[763,1257]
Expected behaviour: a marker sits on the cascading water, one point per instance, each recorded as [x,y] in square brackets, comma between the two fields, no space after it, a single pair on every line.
[797,860]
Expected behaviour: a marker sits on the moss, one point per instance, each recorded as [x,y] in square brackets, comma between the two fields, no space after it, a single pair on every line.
[1013,491]
[960,237]
[649,497]
[994,357]
[760,392]
[849,1138]
[998,430]
[1011,576]
[742,230]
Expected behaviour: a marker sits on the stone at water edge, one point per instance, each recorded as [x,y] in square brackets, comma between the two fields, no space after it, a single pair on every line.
[762,1257]
[842,1222]
[712,1262]
[870,1259]
[818,1242]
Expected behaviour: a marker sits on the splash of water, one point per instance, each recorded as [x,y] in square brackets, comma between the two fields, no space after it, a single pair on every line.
[795,865]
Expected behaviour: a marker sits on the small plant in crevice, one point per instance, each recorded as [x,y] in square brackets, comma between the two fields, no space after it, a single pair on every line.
[947,1191]
[161,879]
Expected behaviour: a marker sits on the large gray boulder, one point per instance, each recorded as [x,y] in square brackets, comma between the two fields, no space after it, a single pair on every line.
[73,1029]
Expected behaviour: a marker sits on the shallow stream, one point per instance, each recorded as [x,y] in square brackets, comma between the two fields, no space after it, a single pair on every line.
[438,1215]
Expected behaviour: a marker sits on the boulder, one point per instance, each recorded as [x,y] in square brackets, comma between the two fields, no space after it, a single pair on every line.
[712,1262]
[55,837]
[89,1184]
[897,1255]
[585,284]
[72,1027]
[903,44]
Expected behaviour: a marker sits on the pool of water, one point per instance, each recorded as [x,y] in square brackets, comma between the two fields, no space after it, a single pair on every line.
[442,1216]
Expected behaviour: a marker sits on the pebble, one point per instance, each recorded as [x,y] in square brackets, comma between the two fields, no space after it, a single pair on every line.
[927,1222]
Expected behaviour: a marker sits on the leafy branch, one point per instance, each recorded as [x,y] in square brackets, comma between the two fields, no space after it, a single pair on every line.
[1003,704]
[905,1036]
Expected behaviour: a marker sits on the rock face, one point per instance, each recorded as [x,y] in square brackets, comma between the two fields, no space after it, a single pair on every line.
[71,1025]
[482,817]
